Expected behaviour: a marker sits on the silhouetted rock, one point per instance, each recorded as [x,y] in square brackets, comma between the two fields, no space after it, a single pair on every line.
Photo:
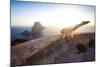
[37,28]
[18,41]
[36,32]
[81,48]
[26,33]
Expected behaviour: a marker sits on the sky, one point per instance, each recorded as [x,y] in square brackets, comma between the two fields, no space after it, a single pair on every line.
[50,14]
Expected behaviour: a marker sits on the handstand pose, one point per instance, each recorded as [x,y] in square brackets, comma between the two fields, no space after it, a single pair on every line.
[69,32]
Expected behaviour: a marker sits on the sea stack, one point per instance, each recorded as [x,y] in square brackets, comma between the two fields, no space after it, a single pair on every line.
[37,28]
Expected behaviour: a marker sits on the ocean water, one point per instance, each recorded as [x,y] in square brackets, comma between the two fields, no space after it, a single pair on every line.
[16,33]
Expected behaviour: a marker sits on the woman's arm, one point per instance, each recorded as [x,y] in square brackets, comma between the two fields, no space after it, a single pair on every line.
[79,25]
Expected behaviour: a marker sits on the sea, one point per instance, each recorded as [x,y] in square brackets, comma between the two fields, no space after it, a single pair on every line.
[16,33]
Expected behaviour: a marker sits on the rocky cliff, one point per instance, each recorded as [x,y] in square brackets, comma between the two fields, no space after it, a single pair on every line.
[47,50]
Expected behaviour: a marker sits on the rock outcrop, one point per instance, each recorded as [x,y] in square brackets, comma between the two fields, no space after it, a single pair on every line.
[47,50]
[37,28]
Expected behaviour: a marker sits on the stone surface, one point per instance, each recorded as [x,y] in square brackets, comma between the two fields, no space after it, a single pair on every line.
[52,49]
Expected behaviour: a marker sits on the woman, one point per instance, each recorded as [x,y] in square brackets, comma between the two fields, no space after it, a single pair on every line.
[69,32]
